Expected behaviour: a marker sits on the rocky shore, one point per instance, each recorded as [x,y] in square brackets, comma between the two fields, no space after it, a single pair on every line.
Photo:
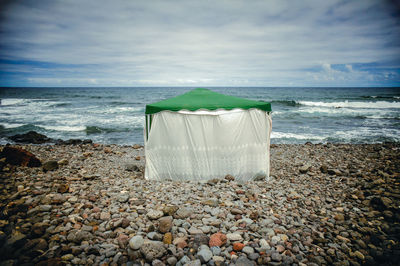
[89,204]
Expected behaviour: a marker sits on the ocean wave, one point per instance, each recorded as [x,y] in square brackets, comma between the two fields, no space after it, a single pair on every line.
[64,128]
[12,101]
[338,111]
[118,103]
[119,109]
[11,125]
[365,135]
[299,136]
[347,104]
[9,128]
[380,97]
[286,103]
[17,104]
[61,104]
[97,130]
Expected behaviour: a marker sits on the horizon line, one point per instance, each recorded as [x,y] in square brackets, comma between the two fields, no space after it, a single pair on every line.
[16,87]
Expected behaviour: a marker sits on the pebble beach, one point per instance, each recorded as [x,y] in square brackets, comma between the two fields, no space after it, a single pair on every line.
[89,204]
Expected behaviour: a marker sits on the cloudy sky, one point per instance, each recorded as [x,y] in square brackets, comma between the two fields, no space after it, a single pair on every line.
[200,43]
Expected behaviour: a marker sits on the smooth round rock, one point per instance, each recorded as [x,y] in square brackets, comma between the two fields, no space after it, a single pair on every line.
[136,242]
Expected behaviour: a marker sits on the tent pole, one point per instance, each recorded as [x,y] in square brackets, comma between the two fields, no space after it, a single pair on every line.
[147,127]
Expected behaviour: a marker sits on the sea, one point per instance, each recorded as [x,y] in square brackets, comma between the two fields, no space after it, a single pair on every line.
[116,115]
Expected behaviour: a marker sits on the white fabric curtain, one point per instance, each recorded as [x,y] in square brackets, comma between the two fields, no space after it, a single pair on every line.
[204,144]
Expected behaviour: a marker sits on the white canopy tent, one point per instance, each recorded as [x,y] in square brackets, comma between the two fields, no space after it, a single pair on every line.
[202,144]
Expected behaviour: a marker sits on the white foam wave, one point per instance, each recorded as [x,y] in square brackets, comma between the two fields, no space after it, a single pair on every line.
[4,141]
[277,113]
[11,125]
[283,135]
[367,132]
[12,101]
[65,128]
[347,104]
[114,110]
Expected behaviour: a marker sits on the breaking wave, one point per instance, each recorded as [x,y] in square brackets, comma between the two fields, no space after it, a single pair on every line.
[286,103]
[347,104]
[98,130]
[12,101]
[283,135]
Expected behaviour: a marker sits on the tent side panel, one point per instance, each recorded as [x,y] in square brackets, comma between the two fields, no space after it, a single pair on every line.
[201,147]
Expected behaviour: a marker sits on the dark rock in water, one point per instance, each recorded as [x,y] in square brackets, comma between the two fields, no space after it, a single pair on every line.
[18,156]
[31,137]
[50,166]
[73,141]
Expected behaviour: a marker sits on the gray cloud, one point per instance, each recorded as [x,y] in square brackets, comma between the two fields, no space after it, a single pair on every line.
[249,43]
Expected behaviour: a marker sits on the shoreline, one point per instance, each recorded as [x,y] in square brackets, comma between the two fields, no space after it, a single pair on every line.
[325,204]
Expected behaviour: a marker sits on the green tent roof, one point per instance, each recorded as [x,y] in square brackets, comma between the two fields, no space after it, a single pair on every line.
[205,99]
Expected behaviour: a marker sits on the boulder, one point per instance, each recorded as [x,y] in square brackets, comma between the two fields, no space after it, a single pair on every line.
[18,156]
[31,137]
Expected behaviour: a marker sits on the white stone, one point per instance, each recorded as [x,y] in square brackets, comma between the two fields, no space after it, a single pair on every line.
[234,237]
[136,242]
[264,244]
[154,214]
